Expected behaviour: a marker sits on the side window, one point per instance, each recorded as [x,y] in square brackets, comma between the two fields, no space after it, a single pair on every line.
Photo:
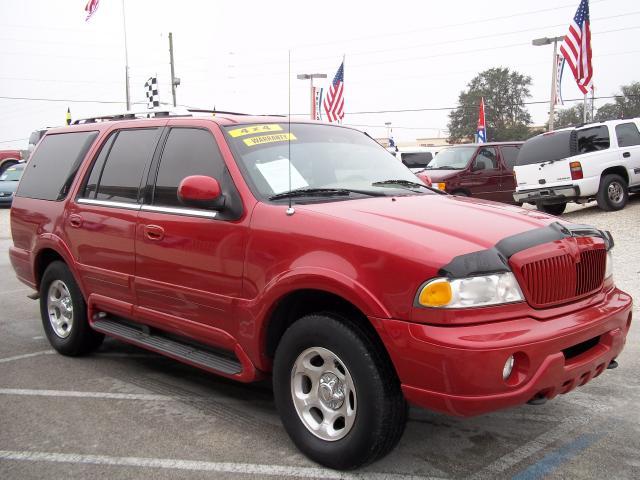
[486,159]
[188,151]
[118,177]
[509,156]
[53,167]
[593,139]
[417,159]
[91,185]
[627,134]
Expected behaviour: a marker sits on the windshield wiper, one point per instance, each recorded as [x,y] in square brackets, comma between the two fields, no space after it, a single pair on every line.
[322,192]
[405,184]
[445,167]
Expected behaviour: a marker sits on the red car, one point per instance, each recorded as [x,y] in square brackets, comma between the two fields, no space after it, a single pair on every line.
[8,158]
[251,248]
[479,170]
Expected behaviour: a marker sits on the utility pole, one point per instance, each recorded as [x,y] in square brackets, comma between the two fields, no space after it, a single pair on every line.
[126,60]
[311,76]
[554,73]
[174,81]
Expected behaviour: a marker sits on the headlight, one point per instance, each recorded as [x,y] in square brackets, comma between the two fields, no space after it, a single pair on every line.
[608,269]
[470,292]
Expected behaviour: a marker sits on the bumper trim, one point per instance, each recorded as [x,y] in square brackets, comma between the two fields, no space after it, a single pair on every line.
[549,194]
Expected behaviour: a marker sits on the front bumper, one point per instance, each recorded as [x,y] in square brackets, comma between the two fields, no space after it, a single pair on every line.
[458,370]
[547,195]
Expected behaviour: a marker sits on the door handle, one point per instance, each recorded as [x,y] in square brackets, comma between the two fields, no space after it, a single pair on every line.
[75,220]
[154,232]
[626,154]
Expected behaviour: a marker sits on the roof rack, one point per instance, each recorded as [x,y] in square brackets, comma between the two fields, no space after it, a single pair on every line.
[132,115]
[154,113]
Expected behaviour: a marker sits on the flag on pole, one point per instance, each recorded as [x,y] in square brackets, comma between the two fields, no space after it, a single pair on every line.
[576,48]
[68,116]
[560,61]
[482,127]
[90,8]
[334,101]
[151,91]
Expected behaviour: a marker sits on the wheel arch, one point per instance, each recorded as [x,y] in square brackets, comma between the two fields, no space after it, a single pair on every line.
[617,170]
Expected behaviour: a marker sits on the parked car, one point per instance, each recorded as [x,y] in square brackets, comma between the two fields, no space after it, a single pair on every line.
[9,182]
[481,170]
[9,158]
[251,248]
[35,137]
[599,161]
[417,158]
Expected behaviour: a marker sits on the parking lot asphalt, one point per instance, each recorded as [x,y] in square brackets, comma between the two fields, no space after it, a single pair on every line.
[124,413]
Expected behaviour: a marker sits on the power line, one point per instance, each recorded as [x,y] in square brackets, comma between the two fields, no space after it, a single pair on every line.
[14,140]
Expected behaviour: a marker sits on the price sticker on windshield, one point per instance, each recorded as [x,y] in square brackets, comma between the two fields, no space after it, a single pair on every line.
[253,129]
[276,137]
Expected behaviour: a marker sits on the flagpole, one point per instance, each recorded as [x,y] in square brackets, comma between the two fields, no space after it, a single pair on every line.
[126,58]
[584,109]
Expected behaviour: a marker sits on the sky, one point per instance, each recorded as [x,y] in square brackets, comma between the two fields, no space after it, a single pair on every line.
[234,55]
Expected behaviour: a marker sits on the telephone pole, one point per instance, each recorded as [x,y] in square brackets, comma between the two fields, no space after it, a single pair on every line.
[552,102]
[174,81]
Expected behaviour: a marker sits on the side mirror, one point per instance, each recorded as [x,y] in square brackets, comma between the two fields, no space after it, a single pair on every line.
[201,191]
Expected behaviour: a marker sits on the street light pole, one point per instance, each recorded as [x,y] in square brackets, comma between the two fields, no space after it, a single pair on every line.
[554,73]
[311,76]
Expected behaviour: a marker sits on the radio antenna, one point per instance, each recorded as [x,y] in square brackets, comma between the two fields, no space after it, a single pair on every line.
[290,210]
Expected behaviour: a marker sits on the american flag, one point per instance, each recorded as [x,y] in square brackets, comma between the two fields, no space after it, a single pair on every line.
[90,8]
[334,101]
[576,48]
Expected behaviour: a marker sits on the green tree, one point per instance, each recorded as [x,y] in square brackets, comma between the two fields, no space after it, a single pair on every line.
[626,105]
[569,117]
[506,116]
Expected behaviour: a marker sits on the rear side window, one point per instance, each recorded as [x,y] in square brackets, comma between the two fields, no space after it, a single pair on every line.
[117,172]
[509,156]
[188,151]
[627,134]
[592,139]
[486,159]
[417,159]
[52,168]
[545,148]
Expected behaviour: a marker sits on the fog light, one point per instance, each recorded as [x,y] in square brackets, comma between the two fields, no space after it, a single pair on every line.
[508,367]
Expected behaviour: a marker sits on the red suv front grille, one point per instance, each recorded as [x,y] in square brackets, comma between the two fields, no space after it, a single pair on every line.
[560,279]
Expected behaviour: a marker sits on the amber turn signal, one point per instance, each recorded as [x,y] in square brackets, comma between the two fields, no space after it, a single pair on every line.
[436,294]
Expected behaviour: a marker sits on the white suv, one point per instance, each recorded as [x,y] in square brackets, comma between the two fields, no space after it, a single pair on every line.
[599,161]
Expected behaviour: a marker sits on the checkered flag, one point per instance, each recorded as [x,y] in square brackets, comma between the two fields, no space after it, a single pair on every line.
[151,91]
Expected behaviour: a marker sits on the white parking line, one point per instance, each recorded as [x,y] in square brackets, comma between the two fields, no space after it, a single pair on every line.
[73,393]
[26,355]
[202,466]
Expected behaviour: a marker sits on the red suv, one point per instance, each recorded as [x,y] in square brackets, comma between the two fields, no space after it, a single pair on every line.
[252,248]
[481,170]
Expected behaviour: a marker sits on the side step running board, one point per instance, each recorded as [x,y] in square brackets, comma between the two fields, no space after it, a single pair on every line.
[189,353]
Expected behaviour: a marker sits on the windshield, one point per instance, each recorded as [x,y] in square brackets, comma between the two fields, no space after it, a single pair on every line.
[455,158]
[335,159]
[11,174]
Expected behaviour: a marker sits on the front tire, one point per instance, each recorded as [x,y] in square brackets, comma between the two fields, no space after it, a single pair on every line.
[337,393]
[556,209]
[613,193]
[64,313]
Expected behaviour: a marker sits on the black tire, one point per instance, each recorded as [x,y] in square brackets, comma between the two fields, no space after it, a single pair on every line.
[552,208]
[613,193]
[78,338]
[381,411]
[460,193]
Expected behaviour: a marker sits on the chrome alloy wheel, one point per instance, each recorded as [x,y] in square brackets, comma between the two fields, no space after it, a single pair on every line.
[60,308]
[615,192]
[323,393]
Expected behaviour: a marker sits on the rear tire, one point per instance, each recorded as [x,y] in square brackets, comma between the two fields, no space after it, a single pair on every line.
[556,209]
[613,193]
[337,393]
[64,313]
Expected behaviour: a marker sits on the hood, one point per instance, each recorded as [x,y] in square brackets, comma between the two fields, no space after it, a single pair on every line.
[8,186]
[441,226]
[439,175]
